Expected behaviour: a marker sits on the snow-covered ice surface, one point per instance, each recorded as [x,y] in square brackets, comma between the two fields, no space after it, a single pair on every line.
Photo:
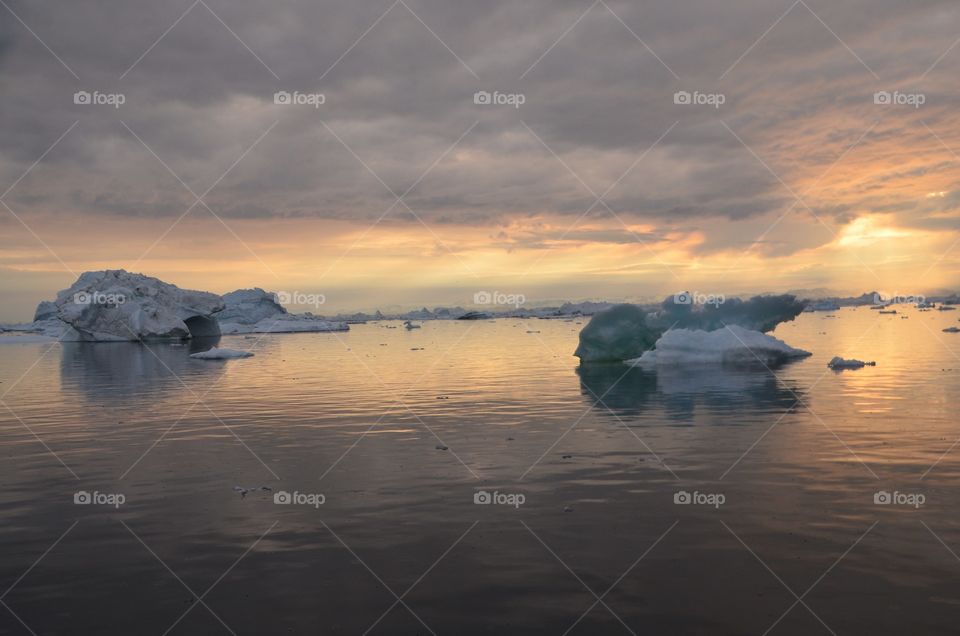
[732,345]
[221,354]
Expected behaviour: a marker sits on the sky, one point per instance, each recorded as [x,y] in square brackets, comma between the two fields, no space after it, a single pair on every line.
[348,148]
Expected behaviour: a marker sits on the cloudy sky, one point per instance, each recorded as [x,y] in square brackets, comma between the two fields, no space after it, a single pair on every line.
[400,189]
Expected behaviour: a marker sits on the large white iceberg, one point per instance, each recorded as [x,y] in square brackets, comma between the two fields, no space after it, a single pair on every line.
[731,345]
[116,305]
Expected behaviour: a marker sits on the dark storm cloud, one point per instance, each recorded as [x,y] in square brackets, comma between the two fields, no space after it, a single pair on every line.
[599,99]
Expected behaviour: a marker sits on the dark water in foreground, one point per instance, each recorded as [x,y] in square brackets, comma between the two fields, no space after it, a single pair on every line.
[398,546]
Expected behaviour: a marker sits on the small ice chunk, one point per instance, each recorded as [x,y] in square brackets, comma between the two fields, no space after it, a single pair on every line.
[221,354]
[243,491]
[840,363]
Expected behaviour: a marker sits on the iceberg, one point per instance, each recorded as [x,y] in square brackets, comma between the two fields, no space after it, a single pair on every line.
[624,332]
[258,311]
[732,345]
[116,305]
[249,306]
[221,354]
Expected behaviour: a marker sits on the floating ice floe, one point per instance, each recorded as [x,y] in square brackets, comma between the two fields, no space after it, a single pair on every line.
[290,323]
[24,338]
[475,315]
[840,363]
[733,345]
[243,491]
[824,305]
[221,354]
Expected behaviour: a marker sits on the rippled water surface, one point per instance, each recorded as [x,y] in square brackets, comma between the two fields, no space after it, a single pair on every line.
[400,430]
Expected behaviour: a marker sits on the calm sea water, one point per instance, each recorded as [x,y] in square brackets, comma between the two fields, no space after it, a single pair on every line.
[398,432]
